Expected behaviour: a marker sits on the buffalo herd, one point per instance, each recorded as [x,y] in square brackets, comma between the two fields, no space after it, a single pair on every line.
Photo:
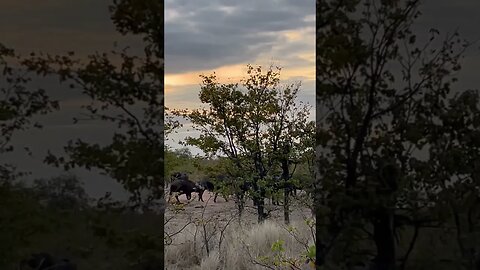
[181,184]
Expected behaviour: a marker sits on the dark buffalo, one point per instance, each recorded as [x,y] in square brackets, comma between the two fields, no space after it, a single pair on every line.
[210,186]
[206,185]
[183,187]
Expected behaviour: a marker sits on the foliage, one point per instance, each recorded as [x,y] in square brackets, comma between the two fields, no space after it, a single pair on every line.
[125,90]
[255,125]
[455,163]
[20,219]
[170,125]
[178,160]
[129,94]
[383,102]
[280,259]
[18,104]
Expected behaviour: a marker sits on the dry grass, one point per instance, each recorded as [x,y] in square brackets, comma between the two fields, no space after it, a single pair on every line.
[238,251]
[214,239]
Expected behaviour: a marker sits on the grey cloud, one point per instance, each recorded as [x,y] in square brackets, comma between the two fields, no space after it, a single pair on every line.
[287,53]
[209,34]
[185,53]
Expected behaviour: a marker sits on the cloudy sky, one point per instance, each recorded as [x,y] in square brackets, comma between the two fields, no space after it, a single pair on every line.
[201,36]
[224,36]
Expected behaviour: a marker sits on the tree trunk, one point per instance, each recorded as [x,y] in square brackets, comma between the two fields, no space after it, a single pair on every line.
[260,209]
[286,190]
[259,200]
[240,200]
[383,234]
[286,206]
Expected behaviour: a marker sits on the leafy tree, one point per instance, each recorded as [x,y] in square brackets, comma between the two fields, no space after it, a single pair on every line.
[128,94]
[171,124]
[18,104]
[304,175]
[455,158]
[294,148]
[178,160]
[256,126]
[20,217]
[380,97]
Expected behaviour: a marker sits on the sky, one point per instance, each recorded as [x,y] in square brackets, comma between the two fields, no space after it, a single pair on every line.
[201,36]
[205,36]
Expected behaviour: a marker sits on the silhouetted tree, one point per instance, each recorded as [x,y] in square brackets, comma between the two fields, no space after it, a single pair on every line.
[19,103]
[126,90]
[380,97]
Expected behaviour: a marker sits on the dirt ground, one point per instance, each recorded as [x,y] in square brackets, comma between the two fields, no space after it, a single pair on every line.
[226,210]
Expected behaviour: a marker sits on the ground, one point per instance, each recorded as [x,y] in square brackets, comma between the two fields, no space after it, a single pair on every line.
[208,208]
[201,224]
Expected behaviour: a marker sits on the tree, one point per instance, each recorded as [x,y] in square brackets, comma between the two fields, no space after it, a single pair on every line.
[171,124]
[304,176]
[178,160]
[130,95]
[294,145]
[18,104]
[254,126]
[380,95]
[455,162]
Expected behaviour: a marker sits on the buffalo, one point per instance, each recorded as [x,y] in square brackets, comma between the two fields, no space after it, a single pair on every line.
[183,187]
[206,185]
[210,186]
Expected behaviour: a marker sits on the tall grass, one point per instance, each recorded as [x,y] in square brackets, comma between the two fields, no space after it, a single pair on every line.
[239,249]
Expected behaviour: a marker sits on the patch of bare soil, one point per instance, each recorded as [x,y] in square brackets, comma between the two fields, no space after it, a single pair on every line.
[226,210]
